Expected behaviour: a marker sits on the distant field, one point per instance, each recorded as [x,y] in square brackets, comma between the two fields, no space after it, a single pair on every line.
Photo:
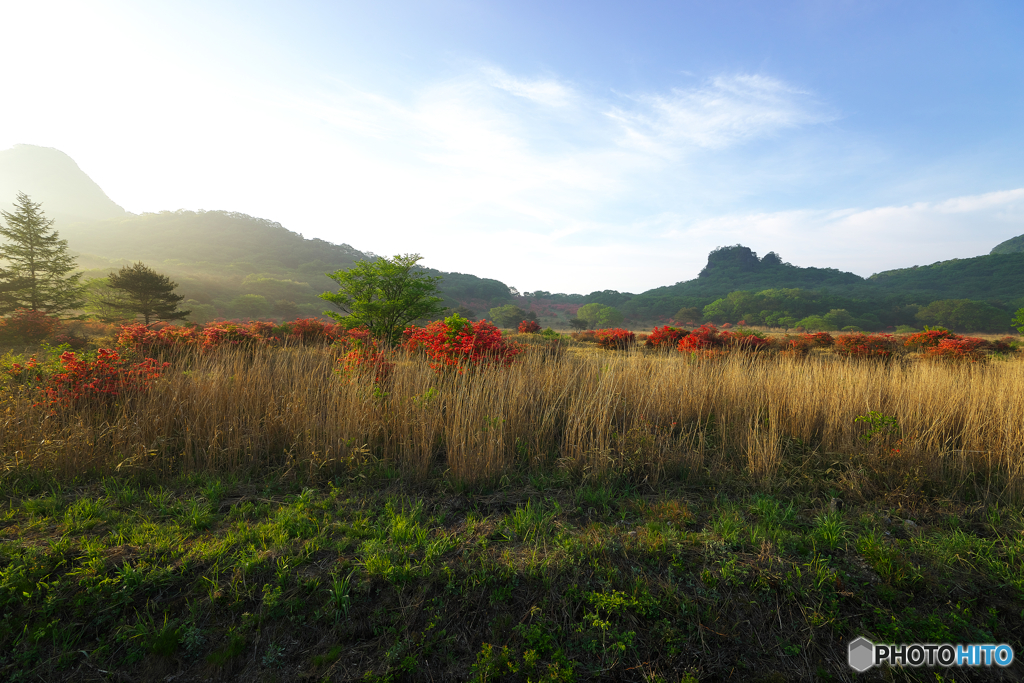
[583,514]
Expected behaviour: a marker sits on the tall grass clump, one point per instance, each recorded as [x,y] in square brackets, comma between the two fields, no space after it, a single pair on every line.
[593,414]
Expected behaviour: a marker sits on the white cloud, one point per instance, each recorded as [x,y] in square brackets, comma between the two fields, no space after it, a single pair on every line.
[725,111]
[548,92]
[531,179]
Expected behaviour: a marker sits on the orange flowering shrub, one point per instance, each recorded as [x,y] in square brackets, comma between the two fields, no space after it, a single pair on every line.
[665,337]
[459,343]
[928,339]
[364,356]
[101,380]
[615,338]
[959,348]
[860,345]
[28,326]
[703,338]
[529,327]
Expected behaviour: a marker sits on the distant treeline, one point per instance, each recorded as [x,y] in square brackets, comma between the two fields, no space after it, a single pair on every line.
[230,265]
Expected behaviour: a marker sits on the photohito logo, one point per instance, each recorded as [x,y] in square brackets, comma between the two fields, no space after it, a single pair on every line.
[863,654]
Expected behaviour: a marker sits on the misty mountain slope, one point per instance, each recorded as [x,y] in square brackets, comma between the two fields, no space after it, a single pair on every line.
[52,178]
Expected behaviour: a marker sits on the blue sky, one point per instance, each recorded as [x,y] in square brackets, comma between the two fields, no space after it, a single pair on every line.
[559,146]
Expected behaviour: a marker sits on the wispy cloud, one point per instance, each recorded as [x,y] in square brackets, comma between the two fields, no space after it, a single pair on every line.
[724,111]
[545,91]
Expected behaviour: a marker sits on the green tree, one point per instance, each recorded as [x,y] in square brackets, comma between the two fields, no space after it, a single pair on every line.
[38,273]
[249,306]
[600,316]
[385,295]
[965,315]
[838,318]
[510,315]
[813,322]
[688,314]
[1018,320]
[140,291]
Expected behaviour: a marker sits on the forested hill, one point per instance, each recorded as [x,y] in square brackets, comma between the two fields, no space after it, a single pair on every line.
[1014,245]
[233,265]
[737,268]
[997,277]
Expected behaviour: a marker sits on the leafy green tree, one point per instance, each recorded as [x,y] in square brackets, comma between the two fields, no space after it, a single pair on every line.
[578,324]
[690,314]
[838,318]
[600,316]
[38,274]
[385,295]
[1018,320]
[249,307]
[140,291]
[510,315]
[965,315]
[813,322]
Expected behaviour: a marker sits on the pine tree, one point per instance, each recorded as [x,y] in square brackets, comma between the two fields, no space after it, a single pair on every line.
[38,274]
[139,290]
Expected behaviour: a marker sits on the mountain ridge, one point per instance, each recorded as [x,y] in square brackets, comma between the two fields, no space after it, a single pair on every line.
[230,264]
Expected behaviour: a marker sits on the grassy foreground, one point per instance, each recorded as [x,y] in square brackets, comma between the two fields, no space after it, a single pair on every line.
[368,578]
[579,516]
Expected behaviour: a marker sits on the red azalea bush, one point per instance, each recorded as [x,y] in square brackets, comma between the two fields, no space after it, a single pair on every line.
[147,340]
[665,337]
[929,339]
[248,335]
[164,338]
[309,331]
[364,356]
[28,326]
[615,338]
[529,327]
[588,336]
[705,337]
[860,345]
[822,339]
[747,340]
[1003,345]
[457,343]
[102,380]
[802,344]
[959,348]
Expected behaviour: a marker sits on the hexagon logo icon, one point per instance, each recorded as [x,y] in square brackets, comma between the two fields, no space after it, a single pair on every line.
[861,654]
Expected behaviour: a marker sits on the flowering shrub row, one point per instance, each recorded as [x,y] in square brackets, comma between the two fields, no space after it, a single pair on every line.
[707,340]
[77,381]
[143,339]
[860,345]
[456,342]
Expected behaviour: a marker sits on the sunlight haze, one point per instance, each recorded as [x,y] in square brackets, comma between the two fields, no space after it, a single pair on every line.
[567,147]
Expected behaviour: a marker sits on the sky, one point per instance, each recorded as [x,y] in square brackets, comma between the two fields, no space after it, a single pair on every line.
[556,146]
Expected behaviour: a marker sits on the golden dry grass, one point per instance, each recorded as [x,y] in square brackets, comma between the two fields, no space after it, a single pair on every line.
[591,413]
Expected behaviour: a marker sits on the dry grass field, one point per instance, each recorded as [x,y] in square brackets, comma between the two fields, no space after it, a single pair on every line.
[953,427]
[580,515]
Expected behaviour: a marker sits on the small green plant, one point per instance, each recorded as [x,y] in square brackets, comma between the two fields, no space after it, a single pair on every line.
[879,426]
[340,595]
[830,529]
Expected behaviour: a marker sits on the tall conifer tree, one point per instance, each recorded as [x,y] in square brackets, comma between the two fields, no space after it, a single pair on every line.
[37,269]
[142,291]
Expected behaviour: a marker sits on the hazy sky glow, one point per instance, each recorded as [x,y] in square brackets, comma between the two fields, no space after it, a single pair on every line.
[565,147]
